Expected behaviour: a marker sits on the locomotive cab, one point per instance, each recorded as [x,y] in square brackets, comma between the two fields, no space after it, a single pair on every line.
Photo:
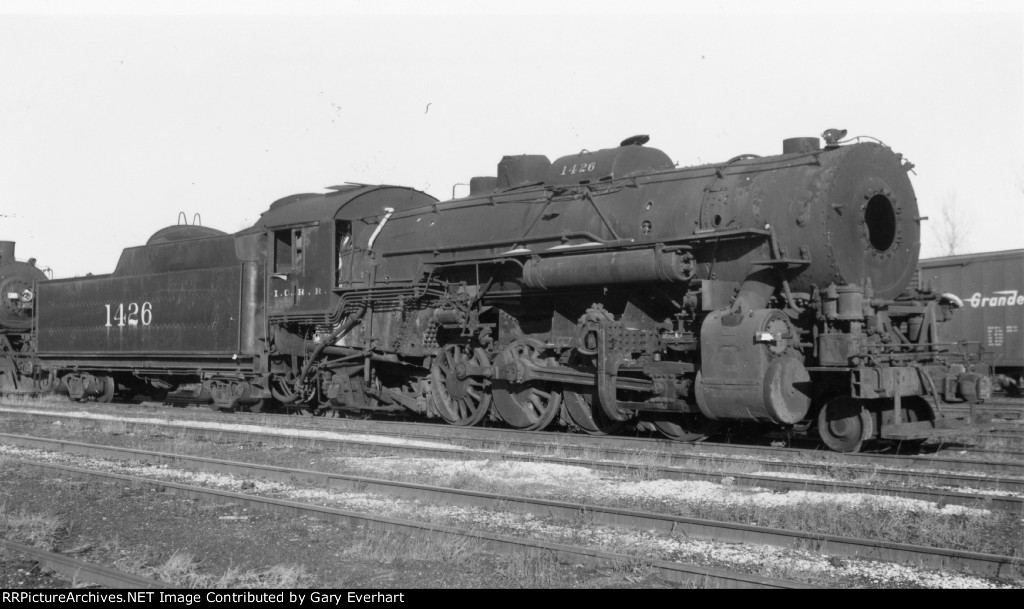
[321,245]
[298,279]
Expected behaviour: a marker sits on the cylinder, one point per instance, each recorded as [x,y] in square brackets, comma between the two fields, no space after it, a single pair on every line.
[745,372]
[623,267]
[850,299]
[449,316]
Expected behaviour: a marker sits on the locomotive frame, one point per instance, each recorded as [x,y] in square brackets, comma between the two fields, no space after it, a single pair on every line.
[606,289]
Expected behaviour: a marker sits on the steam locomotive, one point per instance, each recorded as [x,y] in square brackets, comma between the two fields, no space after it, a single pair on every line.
[602,290]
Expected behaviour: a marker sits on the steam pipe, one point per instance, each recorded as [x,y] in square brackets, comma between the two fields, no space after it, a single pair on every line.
[387,216]
[756,290]
[333,336]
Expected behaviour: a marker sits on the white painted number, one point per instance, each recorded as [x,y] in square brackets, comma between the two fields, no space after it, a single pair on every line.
[578,168]
[136,314]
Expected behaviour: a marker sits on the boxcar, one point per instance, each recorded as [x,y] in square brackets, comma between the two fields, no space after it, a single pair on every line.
[991,286]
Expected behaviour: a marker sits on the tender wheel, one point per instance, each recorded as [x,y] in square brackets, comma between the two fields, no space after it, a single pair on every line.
[528,406]
[844,424]
[458,398]
[689,427]
[260,405]
[583,411]
[109,388]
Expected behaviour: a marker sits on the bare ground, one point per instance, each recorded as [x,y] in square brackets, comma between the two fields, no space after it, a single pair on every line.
[203,545]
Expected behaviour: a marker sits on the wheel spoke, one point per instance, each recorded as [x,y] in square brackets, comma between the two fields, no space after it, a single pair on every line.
[459,401]
[529,405]
[584,412]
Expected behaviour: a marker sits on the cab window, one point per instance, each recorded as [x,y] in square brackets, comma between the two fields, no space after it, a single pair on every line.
[343,239]
[289,250]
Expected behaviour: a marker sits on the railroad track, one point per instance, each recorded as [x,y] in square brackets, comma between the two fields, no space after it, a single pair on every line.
[1010,437]
[503,544]
[1006,410]
[699,470]
[987,565]
[1005,400]
[615,447]
[80,571]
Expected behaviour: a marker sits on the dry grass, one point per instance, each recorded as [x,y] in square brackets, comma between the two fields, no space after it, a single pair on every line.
[35,400]
[389,547]
[531,570]
[997,532]
[182,570]
[126,560]
[976,532]
[35,529]
[115,428]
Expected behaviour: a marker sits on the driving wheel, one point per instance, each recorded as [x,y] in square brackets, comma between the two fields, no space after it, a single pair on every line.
[458,398]
[528,405]
[582,410]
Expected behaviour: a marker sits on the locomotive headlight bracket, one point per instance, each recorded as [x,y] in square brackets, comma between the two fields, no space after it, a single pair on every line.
[17,296]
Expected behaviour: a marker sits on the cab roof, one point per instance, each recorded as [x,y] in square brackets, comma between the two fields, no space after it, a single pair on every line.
[350,201]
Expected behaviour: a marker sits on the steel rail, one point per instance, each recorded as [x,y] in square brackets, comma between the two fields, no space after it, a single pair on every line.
[977,450]
[674,572]
[1005,399]
[979,481]
[886,475]
[1010,436]
[75,569]
[566,442]
[1006,412]
[989,565]
[1012,504]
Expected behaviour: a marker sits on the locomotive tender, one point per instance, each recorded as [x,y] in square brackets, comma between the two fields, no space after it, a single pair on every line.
[602,289]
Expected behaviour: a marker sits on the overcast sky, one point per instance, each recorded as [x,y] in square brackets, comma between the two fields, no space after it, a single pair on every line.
[116,116]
